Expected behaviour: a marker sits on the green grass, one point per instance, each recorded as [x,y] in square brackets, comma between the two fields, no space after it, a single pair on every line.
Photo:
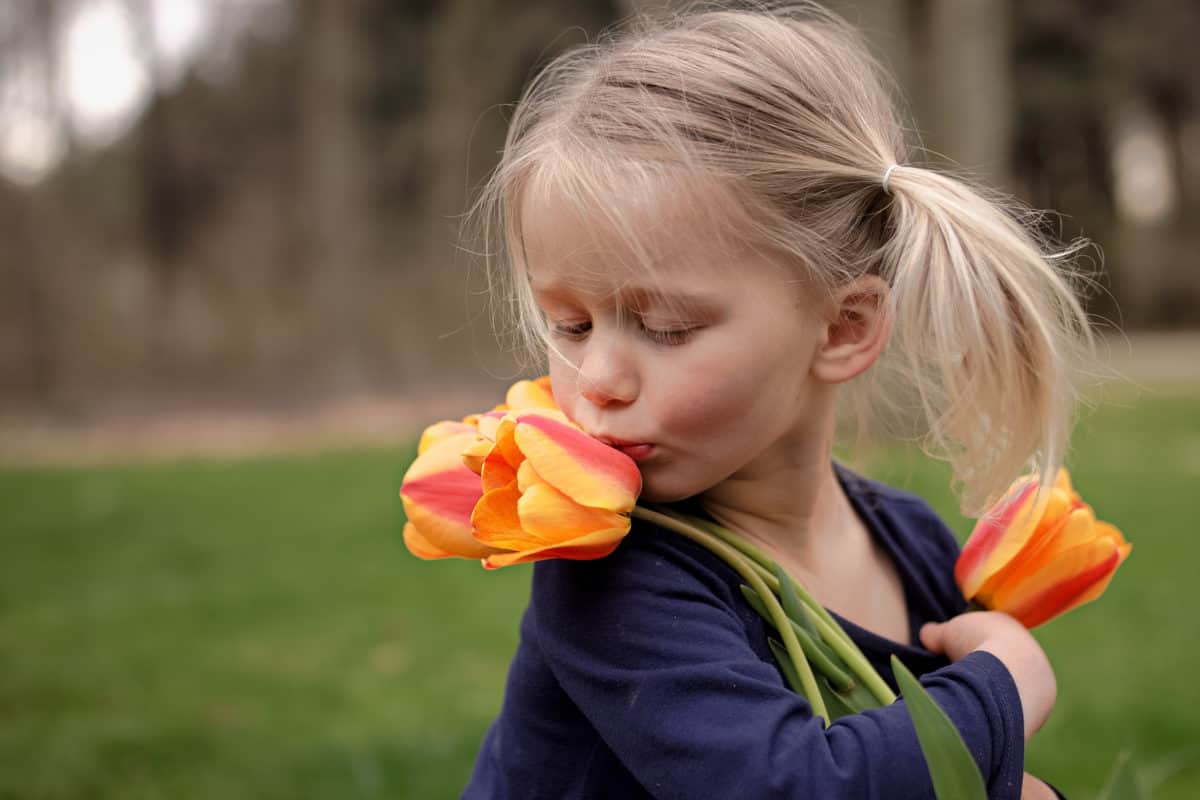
[255,629]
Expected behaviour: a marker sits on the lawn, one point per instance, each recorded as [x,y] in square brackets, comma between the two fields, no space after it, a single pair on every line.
[254,629]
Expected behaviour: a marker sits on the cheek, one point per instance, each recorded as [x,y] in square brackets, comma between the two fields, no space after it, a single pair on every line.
[701,408]
[717,401]
[562,384]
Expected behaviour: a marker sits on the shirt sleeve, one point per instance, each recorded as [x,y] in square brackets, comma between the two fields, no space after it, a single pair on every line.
[650,646]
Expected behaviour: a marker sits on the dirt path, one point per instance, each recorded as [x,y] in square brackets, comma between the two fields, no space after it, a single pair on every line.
[1156,357]
[350,421]
[389,420]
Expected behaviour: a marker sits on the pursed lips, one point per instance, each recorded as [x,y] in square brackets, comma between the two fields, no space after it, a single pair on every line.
[638,451]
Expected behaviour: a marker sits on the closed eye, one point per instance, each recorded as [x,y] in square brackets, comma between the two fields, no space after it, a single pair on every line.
[574,332]
[670,336]
[662,336]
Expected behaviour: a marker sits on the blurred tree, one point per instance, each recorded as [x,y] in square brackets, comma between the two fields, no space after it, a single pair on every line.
[37,222]
[1151,50]
[333,195]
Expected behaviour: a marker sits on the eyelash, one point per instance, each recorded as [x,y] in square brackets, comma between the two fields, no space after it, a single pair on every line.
[669,338]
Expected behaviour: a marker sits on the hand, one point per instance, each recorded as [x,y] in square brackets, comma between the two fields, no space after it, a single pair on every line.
[1034,789]
[1009,641]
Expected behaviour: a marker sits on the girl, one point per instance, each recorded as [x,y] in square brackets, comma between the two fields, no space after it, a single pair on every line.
[712,226]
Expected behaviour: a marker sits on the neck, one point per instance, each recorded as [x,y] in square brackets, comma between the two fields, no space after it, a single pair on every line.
[788,500]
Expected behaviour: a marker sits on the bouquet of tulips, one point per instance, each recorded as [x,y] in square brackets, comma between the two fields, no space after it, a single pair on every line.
[522,483]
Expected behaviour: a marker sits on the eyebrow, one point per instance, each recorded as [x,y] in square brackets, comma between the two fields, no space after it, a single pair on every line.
[637,295]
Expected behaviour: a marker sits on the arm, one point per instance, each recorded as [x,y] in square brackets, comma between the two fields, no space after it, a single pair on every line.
[1008,640]
[1034,789]
[651,649]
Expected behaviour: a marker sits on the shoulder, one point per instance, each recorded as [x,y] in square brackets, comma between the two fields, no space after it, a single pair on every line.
[659,599]
[650,563]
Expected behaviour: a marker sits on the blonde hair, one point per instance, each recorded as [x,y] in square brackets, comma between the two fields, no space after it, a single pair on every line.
[782,109]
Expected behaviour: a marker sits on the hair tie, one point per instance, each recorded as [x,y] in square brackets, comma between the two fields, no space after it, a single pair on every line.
[886,175]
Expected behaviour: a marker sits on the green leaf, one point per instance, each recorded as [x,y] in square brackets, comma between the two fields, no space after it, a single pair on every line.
[857,699]
[954,772]
[843,704]
[792,606]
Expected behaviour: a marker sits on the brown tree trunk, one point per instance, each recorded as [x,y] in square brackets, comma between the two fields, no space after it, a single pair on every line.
[332,189]
[967,69]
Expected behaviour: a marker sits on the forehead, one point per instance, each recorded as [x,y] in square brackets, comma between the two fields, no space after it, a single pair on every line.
[654,232]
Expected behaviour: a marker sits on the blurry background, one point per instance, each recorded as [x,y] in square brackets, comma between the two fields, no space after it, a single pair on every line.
[230,296]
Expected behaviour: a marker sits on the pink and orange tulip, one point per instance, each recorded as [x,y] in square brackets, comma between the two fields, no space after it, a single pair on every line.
[552,491]
[515,484]
[1037,562]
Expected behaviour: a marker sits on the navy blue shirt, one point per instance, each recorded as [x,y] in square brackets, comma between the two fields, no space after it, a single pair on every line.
[646,674]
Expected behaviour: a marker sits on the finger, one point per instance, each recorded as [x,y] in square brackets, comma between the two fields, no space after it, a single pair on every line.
[931,636]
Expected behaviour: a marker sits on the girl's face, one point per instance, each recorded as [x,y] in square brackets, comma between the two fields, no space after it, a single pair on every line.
[701,376]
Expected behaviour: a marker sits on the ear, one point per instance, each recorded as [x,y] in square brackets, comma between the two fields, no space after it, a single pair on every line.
[858,327]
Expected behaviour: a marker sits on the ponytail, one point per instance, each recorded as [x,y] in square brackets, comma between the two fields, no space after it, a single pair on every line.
[988,327]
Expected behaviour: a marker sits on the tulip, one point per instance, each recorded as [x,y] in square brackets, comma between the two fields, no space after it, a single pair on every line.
[1036,562]
[442,486]
[552,491]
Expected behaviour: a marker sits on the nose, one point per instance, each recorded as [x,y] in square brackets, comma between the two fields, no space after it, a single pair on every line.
[607,375]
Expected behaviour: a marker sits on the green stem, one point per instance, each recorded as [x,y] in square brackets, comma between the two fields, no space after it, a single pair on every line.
[808,681]
[831,632]
[763,560]
[819,655]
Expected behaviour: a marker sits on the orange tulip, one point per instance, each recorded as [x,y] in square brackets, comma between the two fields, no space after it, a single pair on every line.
[552,491]
[517,483]
[1038,562]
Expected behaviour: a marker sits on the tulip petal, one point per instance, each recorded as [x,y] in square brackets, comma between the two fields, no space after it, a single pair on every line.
[506,444]
[1072,530]
[596,544]
[440,430]
[1059,502]
[439,493]
[497,472]
[496,522]
[487,423]
[549,516]
[442,456]
[996,539]
[527,476]
[1123,548]
[1052,537]
[421,547]
[581,467]
[1059,586]
[476,453]
[530,394]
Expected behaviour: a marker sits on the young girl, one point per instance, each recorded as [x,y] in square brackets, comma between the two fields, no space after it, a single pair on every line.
[712,226]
